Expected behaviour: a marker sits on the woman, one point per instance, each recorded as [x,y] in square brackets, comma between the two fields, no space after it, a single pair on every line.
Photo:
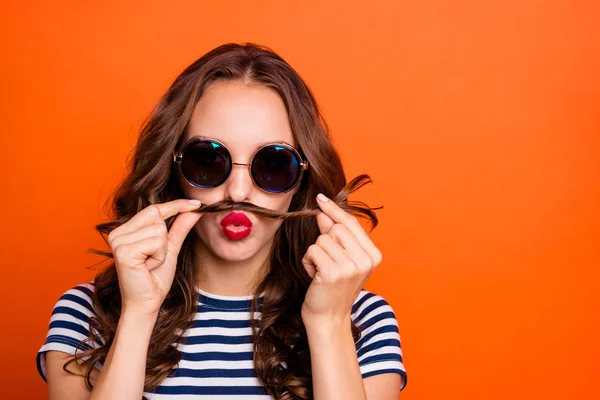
[204,302]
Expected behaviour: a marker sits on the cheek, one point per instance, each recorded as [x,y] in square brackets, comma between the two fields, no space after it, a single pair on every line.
[279,202]
[206,196]
[204,226]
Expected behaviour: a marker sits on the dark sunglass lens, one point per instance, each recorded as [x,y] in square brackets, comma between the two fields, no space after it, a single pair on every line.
[275,168]
[206,164]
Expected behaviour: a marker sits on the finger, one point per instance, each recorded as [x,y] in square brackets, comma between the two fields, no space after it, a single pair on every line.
[310,268]
[349,264]
[324,266]
[324,222]
[159,229]
[338,215]
[179,231]
[152,214]
[158,257]
[150,251]
[333,249]
[352,248]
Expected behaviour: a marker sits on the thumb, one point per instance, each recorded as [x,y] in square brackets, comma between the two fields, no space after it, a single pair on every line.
[325,223]
[182,225]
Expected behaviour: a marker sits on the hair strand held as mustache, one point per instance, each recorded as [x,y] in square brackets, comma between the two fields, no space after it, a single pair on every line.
[356,208]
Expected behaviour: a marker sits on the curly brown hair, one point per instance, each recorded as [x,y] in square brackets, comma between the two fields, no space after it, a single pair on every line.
[281,353]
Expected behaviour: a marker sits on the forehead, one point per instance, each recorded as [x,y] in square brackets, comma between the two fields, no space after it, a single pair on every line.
[242,116]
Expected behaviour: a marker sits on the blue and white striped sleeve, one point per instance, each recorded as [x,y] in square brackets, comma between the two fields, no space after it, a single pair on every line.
[69,324]
[378,350]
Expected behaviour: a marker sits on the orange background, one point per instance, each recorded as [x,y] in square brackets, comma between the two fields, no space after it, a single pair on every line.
[477,120]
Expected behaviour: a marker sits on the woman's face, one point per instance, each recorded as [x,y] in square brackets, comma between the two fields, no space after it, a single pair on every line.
[243,118]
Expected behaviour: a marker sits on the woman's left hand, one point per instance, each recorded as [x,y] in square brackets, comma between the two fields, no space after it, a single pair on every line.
[340,262]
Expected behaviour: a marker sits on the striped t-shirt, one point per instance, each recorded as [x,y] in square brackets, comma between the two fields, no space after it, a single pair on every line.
[217,353]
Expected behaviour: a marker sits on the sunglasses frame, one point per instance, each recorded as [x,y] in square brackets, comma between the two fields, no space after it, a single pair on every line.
[178,157]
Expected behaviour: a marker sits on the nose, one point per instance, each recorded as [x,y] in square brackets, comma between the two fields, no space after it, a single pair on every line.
[239,184]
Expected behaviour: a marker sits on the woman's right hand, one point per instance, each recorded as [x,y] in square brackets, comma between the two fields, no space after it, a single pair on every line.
[145,253]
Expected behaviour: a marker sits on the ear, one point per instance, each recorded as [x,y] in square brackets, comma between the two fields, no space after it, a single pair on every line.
[325,223]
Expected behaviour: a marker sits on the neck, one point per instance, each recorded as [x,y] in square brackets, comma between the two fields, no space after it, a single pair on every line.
[230,278]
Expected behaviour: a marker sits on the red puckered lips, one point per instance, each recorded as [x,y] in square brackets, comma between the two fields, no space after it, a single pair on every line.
[236,226]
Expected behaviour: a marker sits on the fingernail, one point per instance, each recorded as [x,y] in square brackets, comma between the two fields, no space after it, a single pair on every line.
[195,202]
[321,197]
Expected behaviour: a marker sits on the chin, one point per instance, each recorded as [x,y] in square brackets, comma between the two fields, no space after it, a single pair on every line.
[236,251]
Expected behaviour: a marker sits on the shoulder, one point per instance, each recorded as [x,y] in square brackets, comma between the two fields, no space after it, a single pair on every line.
[79,297]
[378,348]
[68,328]
[82,290]
[74,309]
[370,308]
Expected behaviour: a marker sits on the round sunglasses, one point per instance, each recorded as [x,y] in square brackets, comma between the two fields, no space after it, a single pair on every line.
[206,163]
